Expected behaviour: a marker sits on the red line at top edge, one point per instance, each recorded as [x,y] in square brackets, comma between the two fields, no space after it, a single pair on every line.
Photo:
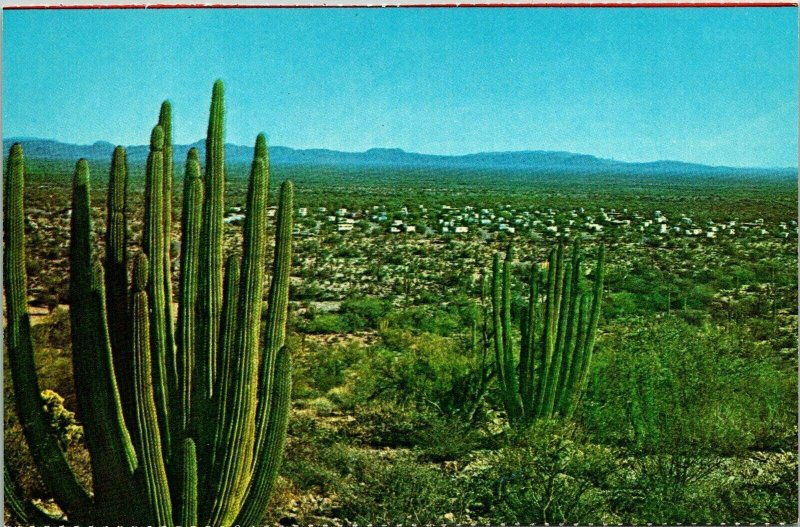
[340,6]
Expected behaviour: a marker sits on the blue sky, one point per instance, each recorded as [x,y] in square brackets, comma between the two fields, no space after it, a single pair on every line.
[715,86]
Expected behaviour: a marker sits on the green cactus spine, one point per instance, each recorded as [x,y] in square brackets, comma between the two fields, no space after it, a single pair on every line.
[211,461]
[554,355]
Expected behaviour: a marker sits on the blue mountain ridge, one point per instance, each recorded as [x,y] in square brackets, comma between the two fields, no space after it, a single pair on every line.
[395,158]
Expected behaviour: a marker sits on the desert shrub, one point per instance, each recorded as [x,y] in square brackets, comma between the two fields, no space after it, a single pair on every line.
[620,304]
[322,323]
[431,372]
[668,387]
[322,368]
[363,313]
[544,475]
[446,438]
[388,424]
[55,332]
[702,416]
[307,290]
[306,449]
[354,314]
[430,315]
[759,489]
[420,494]
[679,489]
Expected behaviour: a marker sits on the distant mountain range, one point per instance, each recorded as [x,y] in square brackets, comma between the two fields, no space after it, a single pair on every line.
[394,158]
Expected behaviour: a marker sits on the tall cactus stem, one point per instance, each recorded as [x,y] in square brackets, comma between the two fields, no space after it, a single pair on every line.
[269,461]
[529,343]
[210,272]
[513,400]
[570,395]
[194,431]
[165,122]
[188,509]
[547,341]
[47,455]
[187,330]
[215,450]
[594,318]
[152,473]
[278,302]
[235,430]
[107,438]
[497,319]
[116,274]
[567,348]
[554,373]
[272,412]
[153,246]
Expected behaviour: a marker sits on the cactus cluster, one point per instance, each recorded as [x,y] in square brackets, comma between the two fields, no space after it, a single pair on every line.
[557,339]
[184,421]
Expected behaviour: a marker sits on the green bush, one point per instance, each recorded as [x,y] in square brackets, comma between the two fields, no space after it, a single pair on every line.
[668,387]
[323,368]
[544,475]
[363,313]
[326,323]
[428,371]
[419,494]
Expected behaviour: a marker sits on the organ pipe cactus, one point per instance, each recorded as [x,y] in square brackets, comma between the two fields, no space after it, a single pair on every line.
[185,424]
[557,339]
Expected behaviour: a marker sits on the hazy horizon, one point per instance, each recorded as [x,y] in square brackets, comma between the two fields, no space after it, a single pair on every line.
[389,148]
[712,86]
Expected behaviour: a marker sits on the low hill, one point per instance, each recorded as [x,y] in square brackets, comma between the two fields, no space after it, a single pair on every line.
[529,161]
